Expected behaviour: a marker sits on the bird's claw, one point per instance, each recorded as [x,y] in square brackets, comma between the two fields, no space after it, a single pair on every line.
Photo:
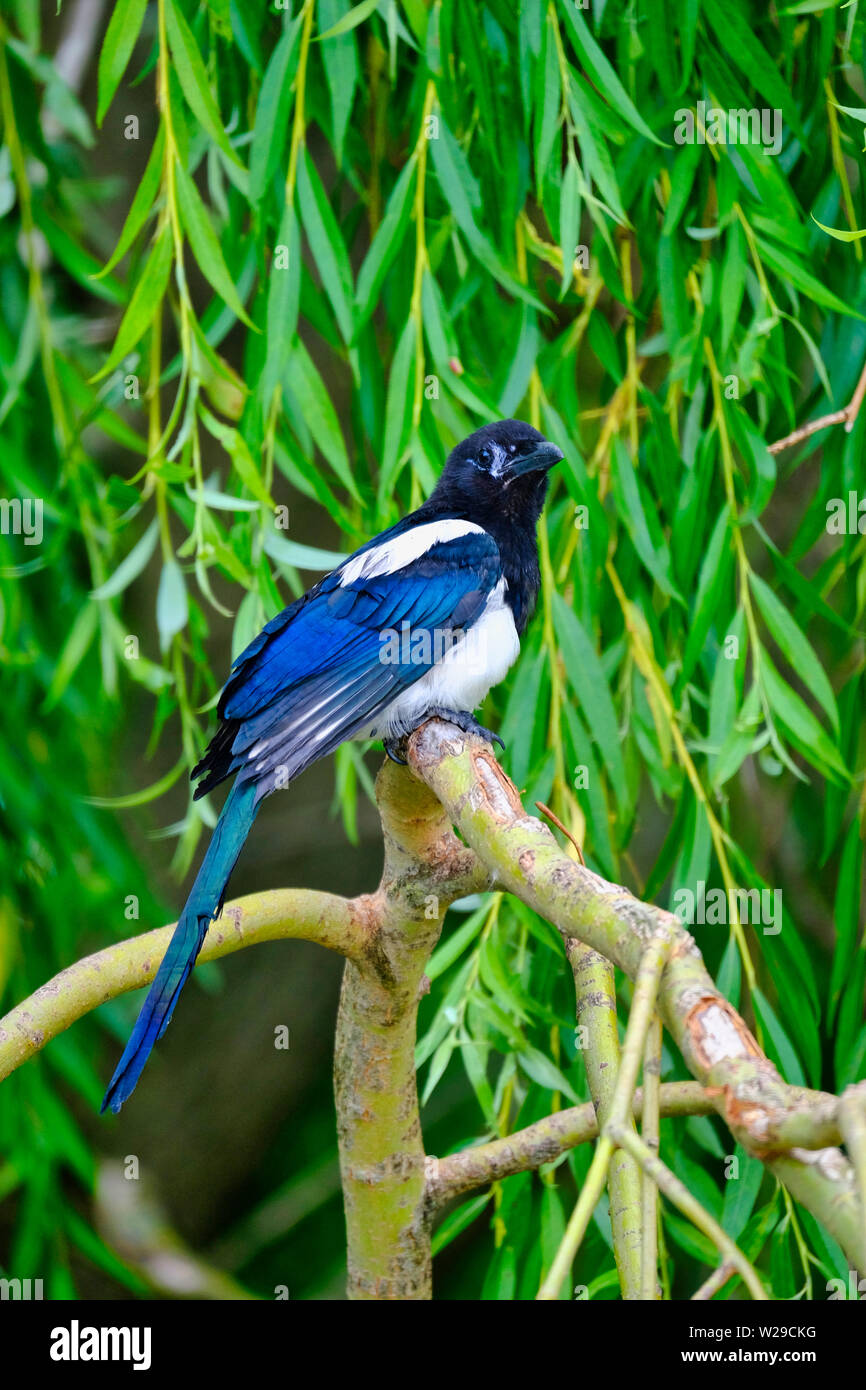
[465,721]
[390,746]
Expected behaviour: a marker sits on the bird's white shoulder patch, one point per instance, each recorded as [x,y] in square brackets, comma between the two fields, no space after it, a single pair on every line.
[396,554]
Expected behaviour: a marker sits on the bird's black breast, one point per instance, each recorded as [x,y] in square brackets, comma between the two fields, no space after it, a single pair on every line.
[512,522]
[519,552]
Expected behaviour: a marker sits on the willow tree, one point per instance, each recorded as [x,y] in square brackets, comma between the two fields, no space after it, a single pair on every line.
[359,233]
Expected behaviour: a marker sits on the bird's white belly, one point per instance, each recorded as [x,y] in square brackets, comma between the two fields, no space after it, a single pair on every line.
[462,678]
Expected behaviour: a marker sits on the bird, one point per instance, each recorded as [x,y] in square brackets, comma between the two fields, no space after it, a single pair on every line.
[418,623]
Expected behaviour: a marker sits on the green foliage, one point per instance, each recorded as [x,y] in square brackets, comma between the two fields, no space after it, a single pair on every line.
[353,242]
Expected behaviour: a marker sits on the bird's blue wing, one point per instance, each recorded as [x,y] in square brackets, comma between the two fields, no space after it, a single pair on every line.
[322,669]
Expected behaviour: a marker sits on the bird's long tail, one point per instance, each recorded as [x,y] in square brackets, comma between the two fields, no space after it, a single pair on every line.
[204,903]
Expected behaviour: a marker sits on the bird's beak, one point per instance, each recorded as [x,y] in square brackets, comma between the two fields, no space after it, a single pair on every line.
[542,458]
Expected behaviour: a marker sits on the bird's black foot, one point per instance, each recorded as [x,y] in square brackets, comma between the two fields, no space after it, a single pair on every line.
[465,721]
[391,745]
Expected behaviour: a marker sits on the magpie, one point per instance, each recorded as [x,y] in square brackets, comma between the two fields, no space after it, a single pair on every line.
[421,621]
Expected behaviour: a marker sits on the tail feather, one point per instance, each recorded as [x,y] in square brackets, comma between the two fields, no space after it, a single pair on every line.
[204,903]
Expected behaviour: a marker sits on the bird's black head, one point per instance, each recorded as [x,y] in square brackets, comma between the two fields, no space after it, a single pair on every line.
[502,467]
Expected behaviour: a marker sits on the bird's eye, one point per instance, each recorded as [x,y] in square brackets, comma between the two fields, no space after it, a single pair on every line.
[512,449]
[484,455]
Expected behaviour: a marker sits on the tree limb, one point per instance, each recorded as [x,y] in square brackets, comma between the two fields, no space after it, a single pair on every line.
[338,923]
[596,1011]
[545,1141]
[716,1045]
[378,1122]
[846,416]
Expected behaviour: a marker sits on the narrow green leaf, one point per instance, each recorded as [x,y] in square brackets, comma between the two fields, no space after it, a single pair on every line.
[846,909]
[220,501]
[811,7]
[452,948]
[714,571]
[141,205]
[386,242]
[269,130]
[840,233]
[284,292]
[205,244]
[120,37]
[682,178]
[172,608]
[546,1073]
[804,591]
[586,674]
[733,278]
[439,1061]
[238,451]
[459,190]
[753,447]
[812,740]
[600,70]
[326,244]
[548,107]
[130,567]
[72,653]
[741,1192]
[340,59]
[474,1056]
[789,269]
[398,409]
[652,549]
[193,79]
[75,258]
[320,415]
[778,1040]
[151,793]
[302,557]
[146,298]
[569,220]
[736,35]
[796,648]
[248,622]
[356,16]
[458,1221]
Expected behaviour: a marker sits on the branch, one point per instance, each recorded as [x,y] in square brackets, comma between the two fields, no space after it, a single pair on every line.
[382,1160]
[544,1142]
[846,416]
[618,1120]
[716,1281]
[764,1114]
[852,1122]
[596,1011]
[131,1220]
[338,923]
[677,1192]
[649,1133]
